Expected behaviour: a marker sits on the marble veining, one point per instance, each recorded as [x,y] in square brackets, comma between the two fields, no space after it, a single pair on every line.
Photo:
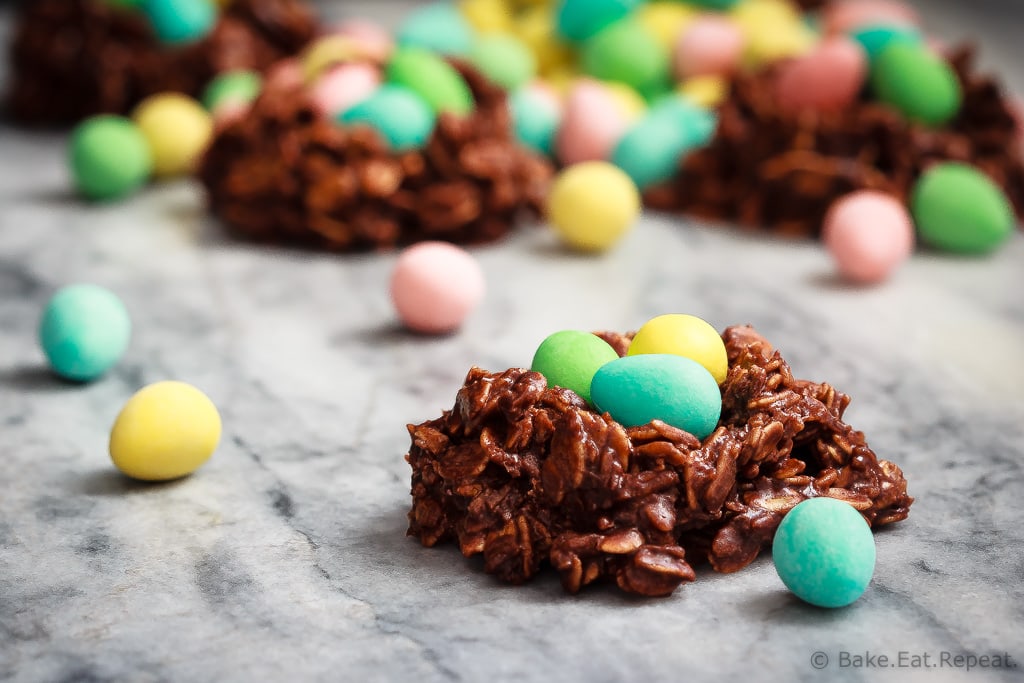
[285,557]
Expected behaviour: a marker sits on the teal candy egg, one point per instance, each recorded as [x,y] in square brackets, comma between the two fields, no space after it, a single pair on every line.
[651,151]
[84,331]
[637,389]
[626,52]
[439,27]
[715,4]
[402,117]
[570,358]
[535,118]
[578,20]
[824,552]
[876,37]
[180,21]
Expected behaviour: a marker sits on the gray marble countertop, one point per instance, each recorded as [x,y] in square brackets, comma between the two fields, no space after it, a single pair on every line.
[285,557]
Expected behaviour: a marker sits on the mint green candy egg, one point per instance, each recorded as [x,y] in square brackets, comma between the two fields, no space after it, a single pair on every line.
[874,38]
[176,22]
[578,20]
[84,331]
[398,114]
[438,27]
[504,59]
[535,120]
[241,85]
[715,4]
[679,391]
[824,552]
[570,358]
[915,82]
[432,78]
[958,208]
[109,158]
[652,150]
[626,52]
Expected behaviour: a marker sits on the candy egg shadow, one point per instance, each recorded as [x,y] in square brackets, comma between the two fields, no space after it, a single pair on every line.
[110,482]
[36,378]
[834,282]
[782,607]
[387,334]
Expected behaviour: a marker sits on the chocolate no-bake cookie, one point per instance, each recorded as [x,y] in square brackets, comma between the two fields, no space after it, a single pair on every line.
[287,174]
[74,58]
[528,475]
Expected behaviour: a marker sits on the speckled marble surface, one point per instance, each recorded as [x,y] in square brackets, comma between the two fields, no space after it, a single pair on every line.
[285,557]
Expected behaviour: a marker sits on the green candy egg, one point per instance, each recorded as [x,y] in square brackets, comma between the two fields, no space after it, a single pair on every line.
[679,391]
[109,157]
[652,149]
[824,552]
[180,21]
[432,78]
[626,52]
[399,115]
[237,86]
[438,27]
[84,331]
[920,85]
[958,208]
[715,4]
[535,120]
[570,358]
[874,38]
[577,20]
[504,59]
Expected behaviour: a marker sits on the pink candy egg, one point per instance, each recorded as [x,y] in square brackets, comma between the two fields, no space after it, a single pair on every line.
[435,285]
[284,75]
[343,86]
[827,79]
[868,234]
[591,126]
[710,46]
[229,112]
[373,39]
[845,16]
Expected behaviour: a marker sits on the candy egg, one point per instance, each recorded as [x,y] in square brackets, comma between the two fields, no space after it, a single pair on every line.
[535,116]
[958,208]
[402,118]
[626,52]
[638,389]
[850,15]
[630,103]
[665,20]
[286,74]
[504,59]
[487,16]
[827,79]
[591,126]
[705,91]
[438,27]
[432,78]
[109,157]
[592,205]
[342,87]
[652,149]
[535,26]
[710,45]
[824,552]
[578,20]
[232,86]
[570,359]
[874,38]
[84,331]
[920,85]
[180,21]
[372,40]
[683,335]
[325,53]
[165,431]
[868,234]
[177,129]
[435,286]
[716,4]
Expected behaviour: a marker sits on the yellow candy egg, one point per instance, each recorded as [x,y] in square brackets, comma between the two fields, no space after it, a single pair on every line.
[592,205]
[665,21]
[683,335]
[165,431]
[487,16]
[705,91]
[326,52]
[177,130]
[536,28]
[631,105]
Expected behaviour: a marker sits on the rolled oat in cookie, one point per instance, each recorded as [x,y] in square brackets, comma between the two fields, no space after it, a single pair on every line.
[530,476]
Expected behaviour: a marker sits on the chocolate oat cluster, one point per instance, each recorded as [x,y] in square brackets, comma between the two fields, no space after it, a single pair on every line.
[285,173]
[528,476]
[74,58]
[772,169]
